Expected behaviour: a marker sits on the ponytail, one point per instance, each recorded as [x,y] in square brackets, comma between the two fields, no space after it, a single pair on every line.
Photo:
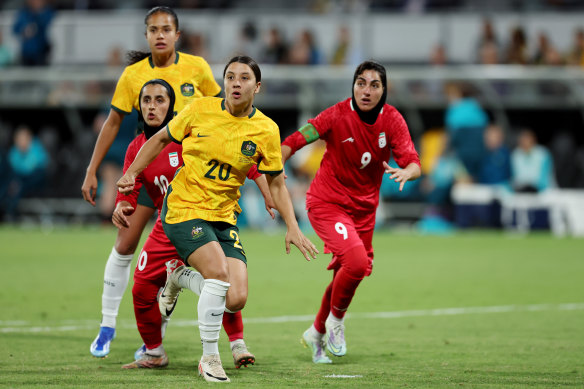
[134,56]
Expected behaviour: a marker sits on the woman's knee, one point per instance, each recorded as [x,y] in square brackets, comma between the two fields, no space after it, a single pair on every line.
[235,300]
[356,262]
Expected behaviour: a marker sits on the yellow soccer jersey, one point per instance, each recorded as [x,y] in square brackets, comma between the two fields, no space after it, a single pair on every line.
[218,151]
[189,76]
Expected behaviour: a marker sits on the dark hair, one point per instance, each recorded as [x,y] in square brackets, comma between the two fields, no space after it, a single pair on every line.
[134,56]
[371,65]
[244,59]
[162,9]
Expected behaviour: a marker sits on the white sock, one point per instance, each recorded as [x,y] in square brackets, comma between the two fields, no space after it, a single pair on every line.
[157,351]
[235,342]
[165,320]
[115,281]
[334,321]
[193,280]
[314,333]
[210,310]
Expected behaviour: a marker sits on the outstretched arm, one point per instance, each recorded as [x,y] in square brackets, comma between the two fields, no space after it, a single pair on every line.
[106,137]
[147,154]
[283,204]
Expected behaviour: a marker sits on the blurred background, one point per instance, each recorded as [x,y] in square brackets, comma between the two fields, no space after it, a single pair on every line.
[493,94]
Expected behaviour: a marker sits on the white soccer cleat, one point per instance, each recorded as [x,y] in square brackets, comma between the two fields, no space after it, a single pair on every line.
[169,294]
[335,339]
[316,346]
[211,369]
[241,355]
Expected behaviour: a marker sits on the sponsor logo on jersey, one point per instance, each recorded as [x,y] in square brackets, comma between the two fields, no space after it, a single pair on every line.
[173,158]
[349,139]
[197,232]
[382,140]
[248,148]
[187,89]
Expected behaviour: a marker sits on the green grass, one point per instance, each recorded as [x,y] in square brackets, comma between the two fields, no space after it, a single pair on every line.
[53,279]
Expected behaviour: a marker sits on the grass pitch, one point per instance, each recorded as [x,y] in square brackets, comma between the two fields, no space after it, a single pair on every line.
[470,310]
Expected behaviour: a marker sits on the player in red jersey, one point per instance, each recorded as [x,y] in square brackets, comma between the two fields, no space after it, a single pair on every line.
[360,133]
[156,109]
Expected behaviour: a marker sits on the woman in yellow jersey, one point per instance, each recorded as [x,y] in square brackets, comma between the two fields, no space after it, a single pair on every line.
[190,77]
[221,139]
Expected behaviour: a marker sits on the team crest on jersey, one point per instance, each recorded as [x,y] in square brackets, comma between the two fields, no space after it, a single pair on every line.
[197,232]
[382,140]
[173,158]
[248,148]
[187,89]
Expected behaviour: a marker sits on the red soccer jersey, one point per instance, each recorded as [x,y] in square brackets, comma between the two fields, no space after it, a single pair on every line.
[157,174]
[351,169]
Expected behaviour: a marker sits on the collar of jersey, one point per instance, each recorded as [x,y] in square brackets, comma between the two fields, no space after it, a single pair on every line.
[151,62]
[253,111]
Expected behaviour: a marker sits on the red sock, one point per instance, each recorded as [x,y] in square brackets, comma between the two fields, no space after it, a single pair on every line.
[344,287]
[147,313]
[233,325]
[325,308]
[354,266]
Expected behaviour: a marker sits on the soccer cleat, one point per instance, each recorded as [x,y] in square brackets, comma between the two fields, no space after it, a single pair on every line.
[241,356]
[138,354]
[211,369]
[169,294]
[335,339]
[100,347]
[316,347]
[148,361]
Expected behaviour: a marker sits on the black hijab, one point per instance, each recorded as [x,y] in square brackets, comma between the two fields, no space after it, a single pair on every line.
[149,130]
[370,117]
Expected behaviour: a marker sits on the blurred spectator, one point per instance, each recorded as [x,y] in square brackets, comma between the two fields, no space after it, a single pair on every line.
[276,50]
[304,50]
[5,53]
[466,121]
[576,56]
[438,56]
[447,170]
[488,39]
[565,156]
[27,163]
[496,165]
[345,53]
[115,57]
[193,43]
[489,54]
[546,53]
[531,165]
[32,27]
[65,94]
[516,53]
[437,185]
[248,42]
[543,45]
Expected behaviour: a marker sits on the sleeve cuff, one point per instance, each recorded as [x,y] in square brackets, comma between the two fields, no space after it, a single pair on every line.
[119,110]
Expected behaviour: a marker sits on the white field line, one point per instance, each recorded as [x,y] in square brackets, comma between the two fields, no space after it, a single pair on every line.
[21,326]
